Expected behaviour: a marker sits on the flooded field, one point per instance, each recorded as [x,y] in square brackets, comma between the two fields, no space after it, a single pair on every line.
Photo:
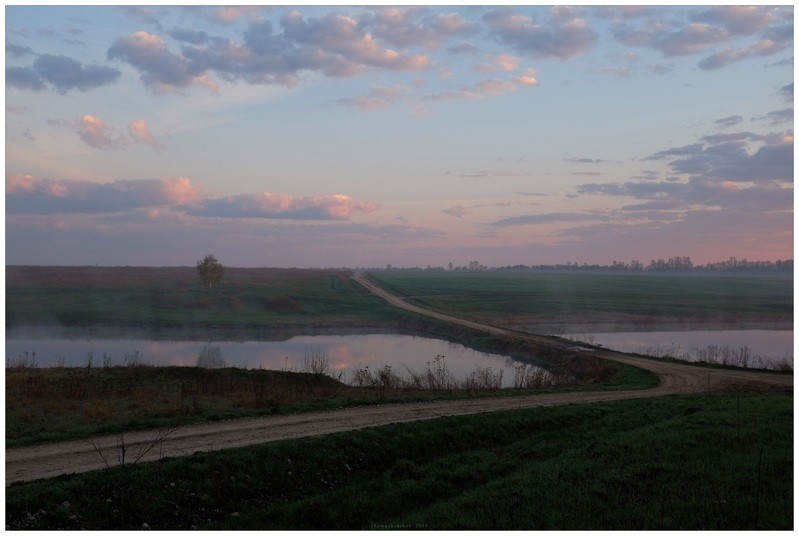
[344,353]
[749,348]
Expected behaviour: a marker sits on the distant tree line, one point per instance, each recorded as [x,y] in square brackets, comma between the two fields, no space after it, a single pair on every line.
[683,265]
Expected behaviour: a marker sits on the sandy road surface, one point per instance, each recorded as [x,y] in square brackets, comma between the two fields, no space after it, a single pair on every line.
[42,461]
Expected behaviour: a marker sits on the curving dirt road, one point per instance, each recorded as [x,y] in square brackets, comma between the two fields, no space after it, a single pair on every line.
[43,461]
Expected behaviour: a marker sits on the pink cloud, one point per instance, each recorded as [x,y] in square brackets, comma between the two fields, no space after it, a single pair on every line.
[180,191]
[139,131]
[562,37]
[20,183]
[226,14]
[282,206]
[27,194]
[95,133]
[503,62]
[161,70]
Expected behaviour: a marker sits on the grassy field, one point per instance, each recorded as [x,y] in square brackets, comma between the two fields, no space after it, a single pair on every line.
[718,461]
[256,298]
[249,298]
[526,298]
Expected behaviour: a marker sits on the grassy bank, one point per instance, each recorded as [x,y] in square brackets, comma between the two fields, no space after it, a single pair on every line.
[153,298]
[52,404]
[527,298]
[679,462]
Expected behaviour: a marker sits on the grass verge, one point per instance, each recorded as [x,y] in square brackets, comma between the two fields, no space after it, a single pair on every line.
[718,461]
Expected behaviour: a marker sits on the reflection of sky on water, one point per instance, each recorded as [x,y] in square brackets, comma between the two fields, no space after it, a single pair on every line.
[768,344]
[342,351]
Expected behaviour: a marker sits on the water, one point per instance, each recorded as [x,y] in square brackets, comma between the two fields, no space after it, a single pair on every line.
[770,347]
[344,353]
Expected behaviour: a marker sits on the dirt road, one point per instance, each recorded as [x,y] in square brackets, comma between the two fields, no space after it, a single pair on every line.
[42,461]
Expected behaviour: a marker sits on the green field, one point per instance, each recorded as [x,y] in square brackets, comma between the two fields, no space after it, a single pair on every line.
[530,298]
[247,298]
[254,298]
[678,462]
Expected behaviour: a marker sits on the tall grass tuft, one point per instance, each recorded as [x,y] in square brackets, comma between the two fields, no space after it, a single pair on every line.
[26,361]
[133,359]
[316,361]
[529,377]
[210,357]
[484,379]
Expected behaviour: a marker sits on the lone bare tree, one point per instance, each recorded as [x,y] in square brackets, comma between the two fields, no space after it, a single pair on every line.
[210,270]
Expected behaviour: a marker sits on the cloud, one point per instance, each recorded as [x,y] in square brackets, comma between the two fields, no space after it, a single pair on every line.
[527,79]
[729,159]
[335,45]
[416,27]
[463,48]
[342,36]
[195,37]
[17,51]
[694,31]
[95,133]
[482,89]
[161,70]
[787,92]
[777,116]
[23,78]
[724,173]
[228,14]
[139,131]
[275,206]
[729,121]
[377,98]
[718,60]
[458,211]
[502,62]
[142,14]
[687,39]
[622,12]
[63,73]
[382,97]
[27,194]
[583,160]
[564,36]
[738,20]
[555,217]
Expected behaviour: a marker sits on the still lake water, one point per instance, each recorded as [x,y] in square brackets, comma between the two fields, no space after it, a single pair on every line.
[344,352]
[772,346]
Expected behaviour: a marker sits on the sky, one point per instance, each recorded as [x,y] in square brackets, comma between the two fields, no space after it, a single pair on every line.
[327,136]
